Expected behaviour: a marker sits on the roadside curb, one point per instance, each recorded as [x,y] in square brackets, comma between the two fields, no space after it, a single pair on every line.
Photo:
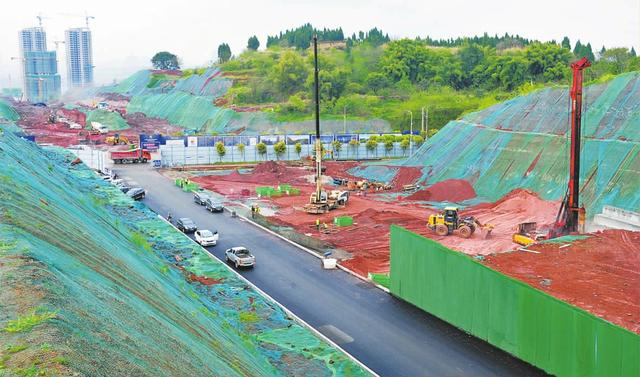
[289,313]
[309,251]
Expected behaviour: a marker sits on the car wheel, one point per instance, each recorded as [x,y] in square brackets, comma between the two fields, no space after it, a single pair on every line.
[237,265]
[226,258]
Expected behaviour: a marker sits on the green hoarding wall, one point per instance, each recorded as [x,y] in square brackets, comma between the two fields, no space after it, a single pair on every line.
[530,324]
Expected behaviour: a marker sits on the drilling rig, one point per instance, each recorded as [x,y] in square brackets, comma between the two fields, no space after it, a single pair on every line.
[318,202]
[571,216]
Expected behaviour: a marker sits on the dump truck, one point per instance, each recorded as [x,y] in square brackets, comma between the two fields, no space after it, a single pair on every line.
[131,156]
[449,222]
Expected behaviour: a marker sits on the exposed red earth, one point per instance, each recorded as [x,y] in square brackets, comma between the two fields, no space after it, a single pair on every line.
[599,274]
[368,239]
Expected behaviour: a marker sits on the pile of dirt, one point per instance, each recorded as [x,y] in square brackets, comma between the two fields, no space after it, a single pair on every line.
[406,176]
[74,115]
[599,274]
[271,167]
[450,190]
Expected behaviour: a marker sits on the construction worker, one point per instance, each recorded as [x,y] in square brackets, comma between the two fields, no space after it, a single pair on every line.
[257,209]
[317,224]
[253,211]
[169,217]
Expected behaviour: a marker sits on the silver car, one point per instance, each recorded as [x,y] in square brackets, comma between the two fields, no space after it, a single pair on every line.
[240,257]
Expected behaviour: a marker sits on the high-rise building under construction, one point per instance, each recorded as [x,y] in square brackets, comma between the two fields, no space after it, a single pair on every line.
[39,66]
[79,57]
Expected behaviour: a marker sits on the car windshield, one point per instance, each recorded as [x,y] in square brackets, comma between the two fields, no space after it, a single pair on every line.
[187,222]
[206,233]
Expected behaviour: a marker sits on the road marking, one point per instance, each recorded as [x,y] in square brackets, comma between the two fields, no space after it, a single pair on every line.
[289,313]
[335,334]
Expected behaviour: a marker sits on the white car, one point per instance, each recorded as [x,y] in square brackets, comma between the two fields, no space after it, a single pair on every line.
[240,257]
[206,237]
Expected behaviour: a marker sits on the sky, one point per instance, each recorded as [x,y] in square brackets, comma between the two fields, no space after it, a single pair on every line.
[126,34]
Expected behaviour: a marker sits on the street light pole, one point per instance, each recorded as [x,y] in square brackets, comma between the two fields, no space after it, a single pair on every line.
[426,129]
[410,132]
[344,124]
[422,119]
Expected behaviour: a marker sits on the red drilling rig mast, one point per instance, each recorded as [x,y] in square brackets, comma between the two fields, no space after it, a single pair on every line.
[571,216]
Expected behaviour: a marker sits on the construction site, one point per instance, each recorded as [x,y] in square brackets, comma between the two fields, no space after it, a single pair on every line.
[533,200]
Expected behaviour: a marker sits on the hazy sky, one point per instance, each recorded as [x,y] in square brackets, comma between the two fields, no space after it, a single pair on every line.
[127,33]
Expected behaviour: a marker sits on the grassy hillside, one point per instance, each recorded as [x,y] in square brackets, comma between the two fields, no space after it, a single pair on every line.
[386,81]
[94,284]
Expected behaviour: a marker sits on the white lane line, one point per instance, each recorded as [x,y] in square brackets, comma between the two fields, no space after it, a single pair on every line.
[287,311]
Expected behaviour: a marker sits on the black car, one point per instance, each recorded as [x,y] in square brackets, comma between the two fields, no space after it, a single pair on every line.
[186,225]
[213,205]
[136,193]
[200,197]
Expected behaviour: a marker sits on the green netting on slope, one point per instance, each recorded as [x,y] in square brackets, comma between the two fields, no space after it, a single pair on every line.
[111,119]
[496,162]
[256,123]
[7,112]
[188,111]
[210,83]
[530,324]
[612,111]
[132,85]
[125,285]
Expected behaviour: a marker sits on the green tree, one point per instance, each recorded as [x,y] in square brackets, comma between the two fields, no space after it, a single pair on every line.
[418,140]
[633,52]
[371,144]
[290,74]
[470,56]
[566,43]
[241,149]
[224,53]
[262,148]
[404,145]
[548,61]
[253,43]
[616,60]
[354,144]
[280,148]
[388,146]
[165,60]
[337,147]
[376,81]
[298,148]
[221,150]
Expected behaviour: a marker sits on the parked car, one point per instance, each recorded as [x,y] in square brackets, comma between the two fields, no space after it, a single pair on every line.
[240,257]
[186,225]
[213,205]
[125,189]
[136,193]
[206,237]
[200,197]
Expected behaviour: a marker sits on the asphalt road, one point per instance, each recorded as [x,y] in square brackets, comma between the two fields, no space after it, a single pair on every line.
[390,336]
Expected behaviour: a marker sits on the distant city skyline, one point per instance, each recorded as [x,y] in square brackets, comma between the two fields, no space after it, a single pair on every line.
[126,34]
[40,78]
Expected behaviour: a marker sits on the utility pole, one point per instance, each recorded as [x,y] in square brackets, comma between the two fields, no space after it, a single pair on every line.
[422,119]
[316,91]
[344,124]
[426,129]
[410,132]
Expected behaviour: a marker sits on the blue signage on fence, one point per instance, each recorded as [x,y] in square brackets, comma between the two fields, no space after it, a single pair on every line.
[150,142]
[344,139]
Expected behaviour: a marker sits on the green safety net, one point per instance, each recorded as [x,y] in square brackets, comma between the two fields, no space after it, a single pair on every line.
[113,120]
[96,283]
[8,113]
[188,111]
[523,143]
[530,324]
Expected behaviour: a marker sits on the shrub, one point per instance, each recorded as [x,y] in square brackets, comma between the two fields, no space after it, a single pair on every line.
[298,148]
[337,147]
[220,148]
[280,148]
[262,148]
[372,144]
